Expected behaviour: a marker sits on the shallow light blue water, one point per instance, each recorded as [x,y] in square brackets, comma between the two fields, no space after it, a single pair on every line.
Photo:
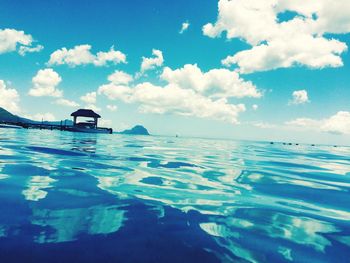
[70,197]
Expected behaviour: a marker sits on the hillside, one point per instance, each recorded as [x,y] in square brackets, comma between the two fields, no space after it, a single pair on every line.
[6,116]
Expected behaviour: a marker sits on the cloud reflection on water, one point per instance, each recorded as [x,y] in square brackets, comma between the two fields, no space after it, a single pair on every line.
[242,192]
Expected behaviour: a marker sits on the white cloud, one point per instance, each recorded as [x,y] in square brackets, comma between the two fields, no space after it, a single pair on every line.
[173,99]
[24,49]
[214,83]
[104,123]
[67,103]
[264,125]
[314,52]
[184,27]
[112,55]
[337,124]
[153,62]
[81,55]
[9,98]
[114,92]
[45,83]
[112,107]
[92,107]
[299,97]
[10,39]
[255,107]
[305,123]
[188,91]
[89,98]
[281,44]
[120,77]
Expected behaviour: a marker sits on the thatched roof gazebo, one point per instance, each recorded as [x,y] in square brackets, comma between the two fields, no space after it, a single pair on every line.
[88,114]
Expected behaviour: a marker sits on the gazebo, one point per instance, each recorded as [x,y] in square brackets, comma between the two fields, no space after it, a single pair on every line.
[88,114]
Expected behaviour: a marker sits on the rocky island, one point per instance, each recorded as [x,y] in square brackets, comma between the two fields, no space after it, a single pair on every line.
[136,130]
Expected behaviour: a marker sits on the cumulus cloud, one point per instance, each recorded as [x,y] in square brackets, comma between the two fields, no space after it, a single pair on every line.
[337,124]
[115,92]
[10,39]
[81,55]
[89,98]
[92,107]
[276,44]
[264,125]
[45,83]
[316,53]
[188,91]
[184,27]
[152,62]
[104,123]
[120,77]
[9,98]
[67,103]
[305,123]
[112,107]
[23,50]
[114,56]
[173,99]
[299,97]
[216,83]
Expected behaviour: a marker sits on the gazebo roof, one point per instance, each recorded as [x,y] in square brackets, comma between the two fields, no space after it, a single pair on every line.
[85,113]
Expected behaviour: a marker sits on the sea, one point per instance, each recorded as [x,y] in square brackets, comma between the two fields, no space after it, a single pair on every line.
[75,197]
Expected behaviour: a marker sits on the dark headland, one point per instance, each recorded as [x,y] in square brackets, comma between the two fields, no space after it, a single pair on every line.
[8,117]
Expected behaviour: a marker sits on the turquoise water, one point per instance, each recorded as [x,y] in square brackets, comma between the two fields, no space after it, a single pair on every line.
[70,197]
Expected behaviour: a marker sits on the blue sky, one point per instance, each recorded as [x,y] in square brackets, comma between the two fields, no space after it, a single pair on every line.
[267,64]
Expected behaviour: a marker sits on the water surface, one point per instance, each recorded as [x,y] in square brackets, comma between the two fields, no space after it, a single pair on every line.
[70,197]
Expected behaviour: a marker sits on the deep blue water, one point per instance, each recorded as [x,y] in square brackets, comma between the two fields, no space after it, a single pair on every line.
[70,197]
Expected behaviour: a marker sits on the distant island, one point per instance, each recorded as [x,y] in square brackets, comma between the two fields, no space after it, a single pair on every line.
[8,117]
[136,130]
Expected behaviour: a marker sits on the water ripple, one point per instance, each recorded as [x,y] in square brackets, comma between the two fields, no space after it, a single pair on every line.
[209,199]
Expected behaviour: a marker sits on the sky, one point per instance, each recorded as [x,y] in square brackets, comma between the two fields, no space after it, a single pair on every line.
[242,69]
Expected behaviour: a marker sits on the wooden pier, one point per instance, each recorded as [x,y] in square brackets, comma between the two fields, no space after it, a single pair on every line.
[40,126]
[89,126]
